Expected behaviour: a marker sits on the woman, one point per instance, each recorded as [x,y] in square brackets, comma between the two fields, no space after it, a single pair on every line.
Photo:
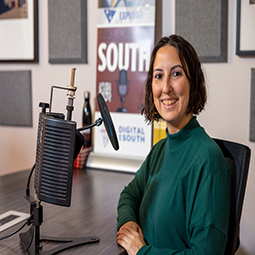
[179,200]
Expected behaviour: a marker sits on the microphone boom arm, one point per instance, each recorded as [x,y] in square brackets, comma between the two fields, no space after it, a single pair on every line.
[98,122]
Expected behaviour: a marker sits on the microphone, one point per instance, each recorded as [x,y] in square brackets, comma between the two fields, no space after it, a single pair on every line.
[107,121]
[122,89]
[123,82]
[58,145]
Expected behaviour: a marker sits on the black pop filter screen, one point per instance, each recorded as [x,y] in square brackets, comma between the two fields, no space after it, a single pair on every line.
[107,121]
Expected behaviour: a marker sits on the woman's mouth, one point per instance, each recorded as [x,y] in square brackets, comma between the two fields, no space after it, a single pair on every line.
[169,102]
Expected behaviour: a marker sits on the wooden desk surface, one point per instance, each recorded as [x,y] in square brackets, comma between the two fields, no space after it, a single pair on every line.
[93,211]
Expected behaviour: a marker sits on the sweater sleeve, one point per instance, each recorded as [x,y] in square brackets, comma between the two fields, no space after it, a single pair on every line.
[130,198]
[207,240]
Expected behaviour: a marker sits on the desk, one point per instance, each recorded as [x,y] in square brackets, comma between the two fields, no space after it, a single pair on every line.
[93,211]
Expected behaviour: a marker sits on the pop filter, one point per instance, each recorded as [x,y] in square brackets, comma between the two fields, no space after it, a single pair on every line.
[107,121]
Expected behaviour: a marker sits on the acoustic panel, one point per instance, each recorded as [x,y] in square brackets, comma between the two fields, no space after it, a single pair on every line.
[15,98]
[204,25]
[252,106]
[67,31]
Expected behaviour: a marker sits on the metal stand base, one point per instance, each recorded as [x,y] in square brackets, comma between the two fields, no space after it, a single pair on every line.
[28,243]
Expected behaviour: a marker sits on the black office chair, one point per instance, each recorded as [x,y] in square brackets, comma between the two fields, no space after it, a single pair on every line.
[238,156]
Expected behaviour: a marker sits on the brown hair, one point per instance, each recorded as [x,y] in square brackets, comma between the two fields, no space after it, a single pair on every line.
[192,69]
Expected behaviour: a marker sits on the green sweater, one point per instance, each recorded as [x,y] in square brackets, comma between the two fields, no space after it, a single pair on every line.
[180,196]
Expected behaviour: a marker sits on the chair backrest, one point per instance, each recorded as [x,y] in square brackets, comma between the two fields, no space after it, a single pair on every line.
[238,156]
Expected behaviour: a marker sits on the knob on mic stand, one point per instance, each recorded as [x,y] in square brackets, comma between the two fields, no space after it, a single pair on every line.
[71,95]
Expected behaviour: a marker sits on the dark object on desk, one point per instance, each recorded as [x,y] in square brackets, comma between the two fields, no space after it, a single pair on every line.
[87,119]
[58,144]
[238,156]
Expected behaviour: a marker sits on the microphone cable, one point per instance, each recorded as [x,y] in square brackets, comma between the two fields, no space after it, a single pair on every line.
[15,232]
[28,181]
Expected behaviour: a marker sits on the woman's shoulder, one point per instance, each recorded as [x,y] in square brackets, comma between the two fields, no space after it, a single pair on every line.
[208,145]
[211,151]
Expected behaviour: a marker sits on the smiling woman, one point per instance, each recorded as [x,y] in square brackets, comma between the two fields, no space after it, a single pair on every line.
[191,66]
[179,201]
[171,89]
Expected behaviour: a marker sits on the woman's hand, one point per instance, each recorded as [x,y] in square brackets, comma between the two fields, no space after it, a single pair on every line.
[130,237]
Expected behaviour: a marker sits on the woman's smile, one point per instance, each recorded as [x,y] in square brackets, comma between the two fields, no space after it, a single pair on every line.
[169,102]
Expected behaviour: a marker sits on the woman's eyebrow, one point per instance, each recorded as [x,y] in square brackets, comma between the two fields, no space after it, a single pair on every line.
[172,68]
[158,70]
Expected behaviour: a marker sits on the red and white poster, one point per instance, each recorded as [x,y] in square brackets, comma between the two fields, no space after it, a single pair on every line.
[125,39]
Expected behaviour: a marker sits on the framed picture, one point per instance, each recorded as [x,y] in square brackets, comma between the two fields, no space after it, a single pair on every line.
[204,25]
[19,31]
[245,33]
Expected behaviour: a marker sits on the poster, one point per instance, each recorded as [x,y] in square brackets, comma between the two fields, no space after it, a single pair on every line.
[125,39]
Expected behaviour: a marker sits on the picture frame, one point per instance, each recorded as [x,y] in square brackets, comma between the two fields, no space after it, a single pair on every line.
[205,25]
[67,31]
[245,35]
[19,31]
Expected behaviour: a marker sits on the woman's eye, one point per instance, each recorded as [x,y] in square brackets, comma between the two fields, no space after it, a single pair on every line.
[176,74]
[158,76]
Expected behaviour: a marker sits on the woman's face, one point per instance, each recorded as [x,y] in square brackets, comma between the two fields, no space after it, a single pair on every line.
[171,89]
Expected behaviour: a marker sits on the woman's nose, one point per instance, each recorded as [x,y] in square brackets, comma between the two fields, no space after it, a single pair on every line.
[167,86]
